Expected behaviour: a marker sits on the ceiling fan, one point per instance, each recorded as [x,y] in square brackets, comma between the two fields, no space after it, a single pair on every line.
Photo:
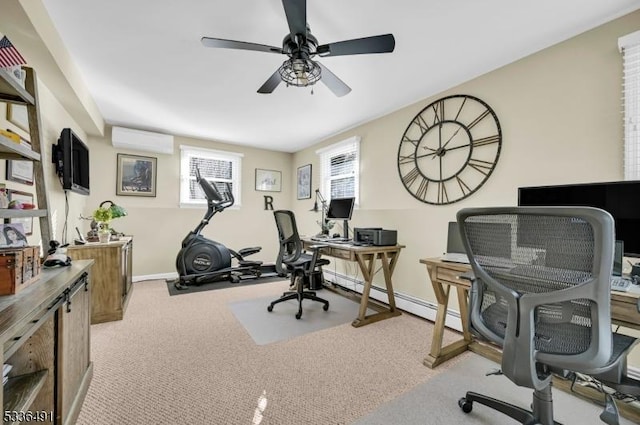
[300,69]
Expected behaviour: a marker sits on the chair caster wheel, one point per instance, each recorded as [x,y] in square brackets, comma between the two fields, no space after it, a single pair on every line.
[298,315]
[465,405]
[325,307]
[270,308]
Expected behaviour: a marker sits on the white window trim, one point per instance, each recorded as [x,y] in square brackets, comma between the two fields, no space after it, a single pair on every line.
[629,46]
[324,184]
[213,154]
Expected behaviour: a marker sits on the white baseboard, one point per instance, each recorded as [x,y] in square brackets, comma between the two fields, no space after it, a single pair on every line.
[159,276]
[416,306]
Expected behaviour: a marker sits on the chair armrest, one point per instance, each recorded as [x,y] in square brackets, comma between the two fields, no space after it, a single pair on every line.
[317,246]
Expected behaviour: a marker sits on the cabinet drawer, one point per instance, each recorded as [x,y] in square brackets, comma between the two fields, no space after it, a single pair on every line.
[451,276]
[340,253]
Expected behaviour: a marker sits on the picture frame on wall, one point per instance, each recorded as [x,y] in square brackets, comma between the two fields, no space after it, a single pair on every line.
[304,182]
[268,180]
[18,116]
[24,198]
[20,171]
[136,175]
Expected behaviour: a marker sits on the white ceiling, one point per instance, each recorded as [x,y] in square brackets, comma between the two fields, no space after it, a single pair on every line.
[146,68]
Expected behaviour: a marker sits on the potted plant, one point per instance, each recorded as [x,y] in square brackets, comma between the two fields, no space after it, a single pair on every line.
[103,216]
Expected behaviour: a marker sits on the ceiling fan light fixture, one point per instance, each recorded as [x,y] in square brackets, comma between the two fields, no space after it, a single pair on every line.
[300,72]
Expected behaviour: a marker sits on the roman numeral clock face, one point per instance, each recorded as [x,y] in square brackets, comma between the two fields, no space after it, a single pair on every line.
[449,149]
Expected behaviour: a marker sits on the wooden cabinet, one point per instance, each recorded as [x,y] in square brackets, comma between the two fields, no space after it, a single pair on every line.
[74,316]
[48,347]
[112,276]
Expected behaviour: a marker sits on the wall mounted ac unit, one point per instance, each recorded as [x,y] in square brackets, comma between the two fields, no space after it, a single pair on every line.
[127,138]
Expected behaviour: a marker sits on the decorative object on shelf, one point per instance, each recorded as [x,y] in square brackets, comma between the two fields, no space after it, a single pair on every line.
[304,182]
[20,171]
[21,200]
[17,115]
[325,225]
[449,149]
[268,180]
[12,235]
[136,175]
[4,196]
[11,60]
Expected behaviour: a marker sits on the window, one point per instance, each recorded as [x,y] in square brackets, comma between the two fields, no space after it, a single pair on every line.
[630,47]
[219,167]
[340,169]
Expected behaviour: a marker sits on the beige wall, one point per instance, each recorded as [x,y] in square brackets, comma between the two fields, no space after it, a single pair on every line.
[560,113]
[159,225]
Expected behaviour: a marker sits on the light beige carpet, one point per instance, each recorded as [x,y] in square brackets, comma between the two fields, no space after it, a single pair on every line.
[187,360]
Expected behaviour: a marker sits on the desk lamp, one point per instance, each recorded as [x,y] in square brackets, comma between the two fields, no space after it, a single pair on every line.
[109,211]
[325,224]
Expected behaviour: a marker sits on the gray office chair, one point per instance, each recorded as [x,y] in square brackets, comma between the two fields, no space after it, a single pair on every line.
[542,293]
[301,264]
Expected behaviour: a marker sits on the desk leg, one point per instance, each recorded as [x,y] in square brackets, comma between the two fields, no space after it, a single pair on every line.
[438,353]
[367,263]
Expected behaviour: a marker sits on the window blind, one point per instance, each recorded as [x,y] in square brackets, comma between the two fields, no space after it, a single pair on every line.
[340,169]
[630,47]
[221,168]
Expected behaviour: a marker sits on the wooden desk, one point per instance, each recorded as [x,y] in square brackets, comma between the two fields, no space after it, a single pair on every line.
[366,257]
[444,275]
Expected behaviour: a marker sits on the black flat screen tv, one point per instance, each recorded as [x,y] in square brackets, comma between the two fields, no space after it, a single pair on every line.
[620,199]
[71,159]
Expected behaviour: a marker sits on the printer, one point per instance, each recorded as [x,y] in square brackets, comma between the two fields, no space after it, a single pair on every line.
[374,236]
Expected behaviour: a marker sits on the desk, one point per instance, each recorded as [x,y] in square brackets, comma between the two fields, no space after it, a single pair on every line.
[444,275]
[366,257]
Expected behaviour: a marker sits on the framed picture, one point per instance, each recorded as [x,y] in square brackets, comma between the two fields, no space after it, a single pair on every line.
[12,235]
[25,222]
[136,175]
[268,180]
[304,182]
[20,171]
[17,115]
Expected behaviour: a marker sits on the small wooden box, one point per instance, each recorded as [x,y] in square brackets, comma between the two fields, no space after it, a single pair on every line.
[19,267]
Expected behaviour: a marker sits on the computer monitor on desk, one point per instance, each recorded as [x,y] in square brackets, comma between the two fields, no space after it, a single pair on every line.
[341,209]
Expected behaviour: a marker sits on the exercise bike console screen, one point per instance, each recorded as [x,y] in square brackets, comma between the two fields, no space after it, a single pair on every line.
[341,209]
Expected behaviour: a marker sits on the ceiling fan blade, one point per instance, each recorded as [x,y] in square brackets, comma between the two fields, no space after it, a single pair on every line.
[335,84]
[270,85]
[242,45]
[376,44]
[296,11]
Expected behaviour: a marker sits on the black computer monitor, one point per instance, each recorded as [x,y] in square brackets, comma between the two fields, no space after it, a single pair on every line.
[341,209]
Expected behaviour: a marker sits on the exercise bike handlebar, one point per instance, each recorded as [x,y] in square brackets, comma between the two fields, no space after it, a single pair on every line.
[213,195]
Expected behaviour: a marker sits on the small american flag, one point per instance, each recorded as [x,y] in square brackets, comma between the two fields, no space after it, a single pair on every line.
[9,55]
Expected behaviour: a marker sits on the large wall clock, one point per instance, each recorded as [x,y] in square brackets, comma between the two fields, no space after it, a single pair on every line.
[449,149]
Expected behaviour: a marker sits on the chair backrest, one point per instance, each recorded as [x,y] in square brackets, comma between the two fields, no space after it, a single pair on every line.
[542,288]
[290,243]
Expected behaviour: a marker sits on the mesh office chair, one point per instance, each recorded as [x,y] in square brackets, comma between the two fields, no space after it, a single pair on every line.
[542,293]
[301,264]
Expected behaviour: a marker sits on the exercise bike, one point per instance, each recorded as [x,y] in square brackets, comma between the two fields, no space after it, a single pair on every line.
[202,260]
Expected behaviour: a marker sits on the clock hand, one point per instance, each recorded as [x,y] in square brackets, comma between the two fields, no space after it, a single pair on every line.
[426,155]
[451,138]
